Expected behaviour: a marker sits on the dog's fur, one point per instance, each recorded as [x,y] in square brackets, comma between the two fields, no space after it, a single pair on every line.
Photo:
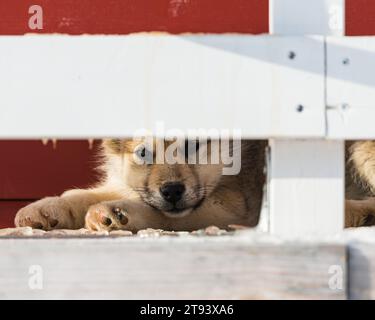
[129,195]
[360,183]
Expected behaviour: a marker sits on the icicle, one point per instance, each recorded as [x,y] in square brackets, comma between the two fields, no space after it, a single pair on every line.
[91,143]
[45,141]
[54,143]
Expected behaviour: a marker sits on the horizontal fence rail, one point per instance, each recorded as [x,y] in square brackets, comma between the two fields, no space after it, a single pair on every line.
[113,85]
[186,268]
[266,86]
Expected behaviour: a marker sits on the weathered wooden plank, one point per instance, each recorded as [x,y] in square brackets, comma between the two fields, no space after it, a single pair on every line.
[168,268]
[103,86]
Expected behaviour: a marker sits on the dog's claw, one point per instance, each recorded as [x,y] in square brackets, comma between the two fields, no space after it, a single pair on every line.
[105,220]
[120,215]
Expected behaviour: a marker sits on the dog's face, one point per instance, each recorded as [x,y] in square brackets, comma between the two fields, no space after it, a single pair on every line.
[173,189]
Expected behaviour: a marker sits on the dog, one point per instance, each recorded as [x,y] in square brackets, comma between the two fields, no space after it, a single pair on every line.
[360,183]
[134,194]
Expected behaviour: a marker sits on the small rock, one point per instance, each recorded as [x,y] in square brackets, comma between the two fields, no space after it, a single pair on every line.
[214,231]
[98,233]
[149,233]
[182,233]
[200,232]
[121,233]
[82,231]
[169,233]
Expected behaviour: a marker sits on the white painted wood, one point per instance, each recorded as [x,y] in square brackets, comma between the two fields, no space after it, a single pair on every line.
[301,17]
[351,87]
[306,187]
[173,268]
[361,262]
[101,86]
[306,177]
[362,270]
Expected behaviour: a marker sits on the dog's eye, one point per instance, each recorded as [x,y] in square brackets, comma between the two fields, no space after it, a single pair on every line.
[143,154]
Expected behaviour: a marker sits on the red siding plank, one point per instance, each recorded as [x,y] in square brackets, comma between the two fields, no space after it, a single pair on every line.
[30,170]
[127,16]
[360,17]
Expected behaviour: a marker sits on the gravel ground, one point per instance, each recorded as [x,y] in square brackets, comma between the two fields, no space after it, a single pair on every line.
[146,233]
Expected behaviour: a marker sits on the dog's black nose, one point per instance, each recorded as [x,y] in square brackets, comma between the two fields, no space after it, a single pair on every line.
[172,191]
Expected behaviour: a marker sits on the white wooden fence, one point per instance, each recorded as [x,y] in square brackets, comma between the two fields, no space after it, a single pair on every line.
[305,87]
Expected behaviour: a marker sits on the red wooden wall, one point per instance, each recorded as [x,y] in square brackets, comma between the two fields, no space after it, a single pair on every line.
[126,16]
[28,169]
[360,17]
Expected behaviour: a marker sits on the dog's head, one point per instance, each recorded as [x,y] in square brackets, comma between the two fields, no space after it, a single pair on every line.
[176,189]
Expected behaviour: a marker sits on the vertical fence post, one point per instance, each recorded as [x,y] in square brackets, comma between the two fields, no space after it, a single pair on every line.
[306,187]
[306,177]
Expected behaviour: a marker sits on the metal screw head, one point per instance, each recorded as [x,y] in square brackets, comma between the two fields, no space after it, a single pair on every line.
[344,106]
[291,55]
[300,108]
[345,61]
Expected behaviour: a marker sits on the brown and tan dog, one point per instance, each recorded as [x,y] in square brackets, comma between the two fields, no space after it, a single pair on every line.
[135,196]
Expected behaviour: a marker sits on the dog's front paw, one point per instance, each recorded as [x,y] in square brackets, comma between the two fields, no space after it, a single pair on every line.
[359,213]
[46,214]
[106,216]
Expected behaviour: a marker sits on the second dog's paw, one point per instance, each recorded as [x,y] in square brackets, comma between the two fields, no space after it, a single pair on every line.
[359,213]
[104,216]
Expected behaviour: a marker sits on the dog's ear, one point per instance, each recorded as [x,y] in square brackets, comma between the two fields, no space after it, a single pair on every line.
[113,145]
[120,146]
